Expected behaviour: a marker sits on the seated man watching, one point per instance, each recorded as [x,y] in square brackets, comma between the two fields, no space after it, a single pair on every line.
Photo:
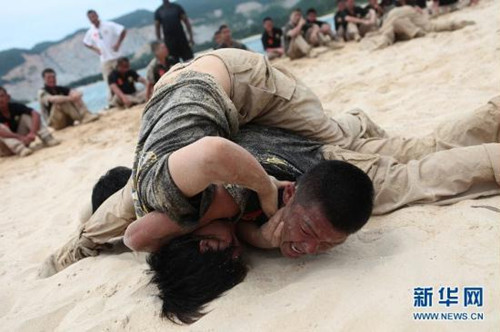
[317,31]
[227,41]
[159,65]
[354,22]
[271,39]
[61,106]
[122,83]
[19,126]
[295,44]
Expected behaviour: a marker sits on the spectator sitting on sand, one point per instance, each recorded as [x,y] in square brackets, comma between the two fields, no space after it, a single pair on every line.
[354,22]
[226,39]
[295,45]
[61,106]
[159,65]
[19,126]
[122,83]
[271,39]
[318,29]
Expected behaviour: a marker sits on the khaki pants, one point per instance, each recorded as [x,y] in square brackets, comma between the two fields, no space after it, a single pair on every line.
[137,98]
[106,68]
[10,146]
[109,221]
[459,160]
[65,114]
[298,48]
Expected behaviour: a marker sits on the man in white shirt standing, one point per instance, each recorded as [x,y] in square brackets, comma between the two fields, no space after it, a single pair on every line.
[105,38]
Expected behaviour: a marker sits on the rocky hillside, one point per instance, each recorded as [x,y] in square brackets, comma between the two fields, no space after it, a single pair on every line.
[20,69]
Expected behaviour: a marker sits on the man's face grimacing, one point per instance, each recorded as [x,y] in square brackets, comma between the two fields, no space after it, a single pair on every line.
[306,230]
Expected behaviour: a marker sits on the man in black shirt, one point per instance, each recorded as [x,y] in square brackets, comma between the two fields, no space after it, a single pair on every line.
[19,126]
[227,41]
[355,21]
[168,17]
[312,20]
[62,107]
[271,39]
[122,83]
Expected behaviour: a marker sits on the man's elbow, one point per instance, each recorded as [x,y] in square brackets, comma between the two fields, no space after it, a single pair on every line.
[215,153]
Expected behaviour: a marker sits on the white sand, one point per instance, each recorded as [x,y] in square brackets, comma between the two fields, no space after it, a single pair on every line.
[364,285]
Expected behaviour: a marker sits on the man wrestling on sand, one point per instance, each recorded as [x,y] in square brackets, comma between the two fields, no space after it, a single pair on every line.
[213,97]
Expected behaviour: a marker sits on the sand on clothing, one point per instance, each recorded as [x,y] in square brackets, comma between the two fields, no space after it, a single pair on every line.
[364,285]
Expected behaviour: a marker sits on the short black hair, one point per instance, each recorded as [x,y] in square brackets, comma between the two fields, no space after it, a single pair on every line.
[108,184]
[3,89]
[223,26]
[122,60]
[188,279]
[267,18]
[311,10]
[343,191]
[48,71]
[91,11]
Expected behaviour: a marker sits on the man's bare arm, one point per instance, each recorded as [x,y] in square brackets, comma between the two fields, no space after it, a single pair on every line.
[215,160]
[116,90]
[116,47]
[158,30]
[93,48]
[185,19]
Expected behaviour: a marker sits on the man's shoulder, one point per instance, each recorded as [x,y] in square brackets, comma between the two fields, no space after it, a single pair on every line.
[277,30]
[152,63]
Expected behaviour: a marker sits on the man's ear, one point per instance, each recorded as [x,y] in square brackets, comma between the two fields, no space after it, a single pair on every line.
[288,193]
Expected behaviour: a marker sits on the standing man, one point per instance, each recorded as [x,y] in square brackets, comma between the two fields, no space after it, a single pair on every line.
[169,16]
[104,38]
[19,126]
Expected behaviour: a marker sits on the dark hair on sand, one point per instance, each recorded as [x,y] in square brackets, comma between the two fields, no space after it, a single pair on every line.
[343,191]
[48,71]
[108,184]
[188,279]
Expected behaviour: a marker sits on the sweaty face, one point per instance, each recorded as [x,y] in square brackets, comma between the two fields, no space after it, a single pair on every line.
[219,235]
[50,79]
[306,231]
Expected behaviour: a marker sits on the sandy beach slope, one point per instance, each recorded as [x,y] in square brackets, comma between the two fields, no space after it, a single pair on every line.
[364,285]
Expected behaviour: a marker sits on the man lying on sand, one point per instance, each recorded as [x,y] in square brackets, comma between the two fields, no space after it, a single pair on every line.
[172,197]
[404,23]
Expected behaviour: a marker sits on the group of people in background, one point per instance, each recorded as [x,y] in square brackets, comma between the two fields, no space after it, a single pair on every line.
[382,22]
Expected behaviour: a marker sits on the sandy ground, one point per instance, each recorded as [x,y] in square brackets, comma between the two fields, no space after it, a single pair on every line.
[365,284]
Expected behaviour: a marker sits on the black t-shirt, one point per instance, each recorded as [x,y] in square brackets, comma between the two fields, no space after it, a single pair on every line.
[56,91]
[273,41]
[235,44]
[15,112]
[170,20]
[340,16]
[447,2]
[125,82]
